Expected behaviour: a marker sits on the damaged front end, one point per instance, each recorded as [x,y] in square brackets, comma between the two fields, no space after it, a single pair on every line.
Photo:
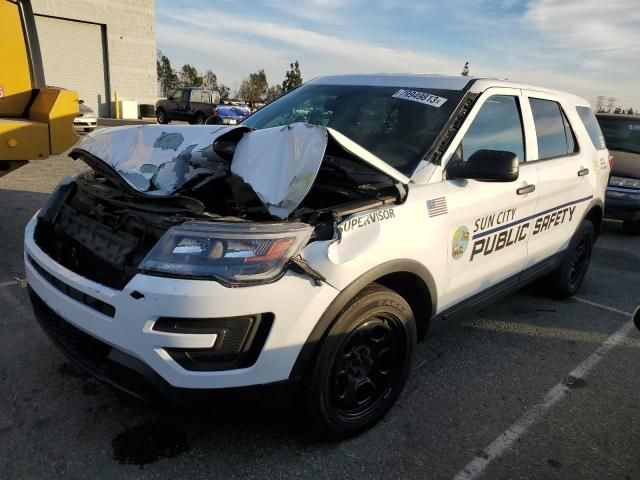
[225,203]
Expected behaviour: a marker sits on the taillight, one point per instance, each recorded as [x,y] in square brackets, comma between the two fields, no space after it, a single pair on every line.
[611,161]
[215,111]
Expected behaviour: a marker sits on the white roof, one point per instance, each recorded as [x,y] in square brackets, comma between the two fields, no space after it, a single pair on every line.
[435,81]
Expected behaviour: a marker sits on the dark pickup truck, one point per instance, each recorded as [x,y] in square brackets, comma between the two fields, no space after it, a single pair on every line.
[189,104]
[622,135]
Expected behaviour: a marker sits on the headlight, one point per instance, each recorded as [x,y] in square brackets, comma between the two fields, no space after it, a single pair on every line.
[624,182]
[233,253]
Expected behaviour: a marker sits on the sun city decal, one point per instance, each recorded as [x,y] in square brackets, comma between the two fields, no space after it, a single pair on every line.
[496,232]
[460,242]
[368,219]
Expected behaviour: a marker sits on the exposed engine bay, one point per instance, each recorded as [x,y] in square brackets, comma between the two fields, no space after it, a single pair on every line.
[147,179]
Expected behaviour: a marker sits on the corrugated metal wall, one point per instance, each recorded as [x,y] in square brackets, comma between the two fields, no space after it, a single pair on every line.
[74,58]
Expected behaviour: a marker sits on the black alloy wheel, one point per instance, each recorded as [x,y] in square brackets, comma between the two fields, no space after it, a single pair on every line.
[368,366]
[361,366]
[566,280]
[579,260]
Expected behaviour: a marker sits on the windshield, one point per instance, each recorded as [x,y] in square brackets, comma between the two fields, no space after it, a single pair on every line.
[398,125]
[622,134]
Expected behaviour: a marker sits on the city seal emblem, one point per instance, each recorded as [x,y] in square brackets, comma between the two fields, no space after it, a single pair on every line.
[460,242]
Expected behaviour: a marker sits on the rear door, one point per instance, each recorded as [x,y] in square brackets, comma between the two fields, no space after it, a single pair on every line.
[488,221]
[565,174]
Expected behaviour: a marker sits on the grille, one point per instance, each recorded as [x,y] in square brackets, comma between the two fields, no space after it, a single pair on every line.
[74,293]
[86,350]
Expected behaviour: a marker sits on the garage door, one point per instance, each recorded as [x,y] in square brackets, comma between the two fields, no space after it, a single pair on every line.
[74,58]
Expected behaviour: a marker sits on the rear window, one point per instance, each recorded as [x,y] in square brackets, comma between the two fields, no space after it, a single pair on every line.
[593,128]
[622,134]
[553,131]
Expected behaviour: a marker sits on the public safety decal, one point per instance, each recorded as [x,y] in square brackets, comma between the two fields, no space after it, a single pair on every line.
[495,232]
[420,97]
[364,220]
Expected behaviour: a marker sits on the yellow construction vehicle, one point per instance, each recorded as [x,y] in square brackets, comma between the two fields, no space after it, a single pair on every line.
[35,120]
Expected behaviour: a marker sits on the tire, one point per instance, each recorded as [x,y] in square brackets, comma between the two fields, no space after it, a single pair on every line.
[362,365]
[636,318]
[199,120]
[161,116]
[566,280]
[631,228]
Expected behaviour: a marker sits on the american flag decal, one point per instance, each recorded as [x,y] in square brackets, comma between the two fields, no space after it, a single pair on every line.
[437,206]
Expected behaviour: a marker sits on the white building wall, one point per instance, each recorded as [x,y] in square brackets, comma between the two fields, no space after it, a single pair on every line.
[131,40]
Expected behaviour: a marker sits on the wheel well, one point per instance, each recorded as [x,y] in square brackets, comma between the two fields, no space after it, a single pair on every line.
[416,292]
[595,217]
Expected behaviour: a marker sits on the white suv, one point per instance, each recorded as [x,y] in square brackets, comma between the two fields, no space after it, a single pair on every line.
[316,242]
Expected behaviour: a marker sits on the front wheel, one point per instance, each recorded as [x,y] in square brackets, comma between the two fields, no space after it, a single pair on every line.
[566,280]
[161,116]
[362,365]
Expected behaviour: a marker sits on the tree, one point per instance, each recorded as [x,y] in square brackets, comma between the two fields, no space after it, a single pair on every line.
[465,70]
[600,99]
[167,77]
[292,78]
[618,110]
[224,92]
[273,92]
[253,89]
[611,104]
[189,76]
[630,111]
[210,80]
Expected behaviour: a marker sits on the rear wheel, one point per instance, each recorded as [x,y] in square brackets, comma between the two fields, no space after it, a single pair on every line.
[566,280]
[362,365]
[199,120]
[632,228]
[161,116]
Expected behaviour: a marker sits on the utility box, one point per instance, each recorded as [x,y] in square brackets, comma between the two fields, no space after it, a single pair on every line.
[128,109]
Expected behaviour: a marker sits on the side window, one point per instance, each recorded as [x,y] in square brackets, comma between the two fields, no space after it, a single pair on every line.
[196,96]
[498,126]
[593,128]
[553,131]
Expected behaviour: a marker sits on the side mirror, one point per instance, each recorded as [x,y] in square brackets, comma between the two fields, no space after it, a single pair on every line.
[487,166]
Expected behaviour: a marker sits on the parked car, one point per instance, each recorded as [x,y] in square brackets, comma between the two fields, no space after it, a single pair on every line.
[86,120]
[622,136]
[228,114]
[313,256]
[189,104]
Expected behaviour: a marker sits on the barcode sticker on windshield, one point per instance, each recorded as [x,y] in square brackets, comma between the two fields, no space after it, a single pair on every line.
[420,97]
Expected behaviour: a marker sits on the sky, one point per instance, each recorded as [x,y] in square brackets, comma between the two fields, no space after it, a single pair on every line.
[586,47]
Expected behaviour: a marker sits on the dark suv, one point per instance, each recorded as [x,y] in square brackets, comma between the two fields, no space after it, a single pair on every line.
[622,135]
[189,104]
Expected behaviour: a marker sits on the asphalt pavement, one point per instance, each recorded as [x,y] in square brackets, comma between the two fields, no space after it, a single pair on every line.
[529,388]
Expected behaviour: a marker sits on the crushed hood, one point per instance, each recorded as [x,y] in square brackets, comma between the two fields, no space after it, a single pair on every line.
[279,163]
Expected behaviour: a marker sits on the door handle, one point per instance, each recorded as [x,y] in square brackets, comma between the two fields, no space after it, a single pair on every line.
[526,189]
[583,172]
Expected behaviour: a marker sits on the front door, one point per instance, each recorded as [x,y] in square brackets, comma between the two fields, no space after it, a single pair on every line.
[489,221]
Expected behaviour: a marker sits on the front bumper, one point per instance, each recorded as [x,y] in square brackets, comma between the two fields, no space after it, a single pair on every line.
[124,322]
[85,122]
[622,204]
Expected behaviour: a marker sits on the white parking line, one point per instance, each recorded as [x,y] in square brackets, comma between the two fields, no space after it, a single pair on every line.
[604,307]
[476,467]
[6,284]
